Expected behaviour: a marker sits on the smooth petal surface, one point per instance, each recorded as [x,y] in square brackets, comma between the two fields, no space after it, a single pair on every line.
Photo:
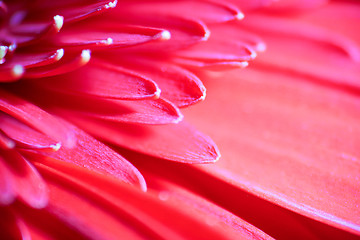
[328,57]
[178,142]
[104,80]
[211,11]
[289,147]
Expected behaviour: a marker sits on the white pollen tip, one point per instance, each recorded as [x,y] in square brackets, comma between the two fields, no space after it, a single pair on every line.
[109,41]
[3,51]
[239,16]
[12,47]
[165,35]
[111,4]
[56,147]
[59,54]
[85,56]
[17,71]
[243,64]
[58,22]
[10,144]
[261,47]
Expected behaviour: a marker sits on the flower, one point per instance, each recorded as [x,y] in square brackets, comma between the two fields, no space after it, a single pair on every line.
[59,182]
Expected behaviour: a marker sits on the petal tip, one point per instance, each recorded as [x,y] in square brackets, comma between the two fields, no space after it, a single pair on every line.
[111,4]
[58,22]
[85,56]
[239,16]
[165,35]
[17,71]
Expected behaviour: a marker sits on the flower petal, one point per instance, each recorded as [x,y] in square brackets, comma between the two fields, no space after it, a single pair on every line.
[7,193]
[71,61]
[176,142]
[106,34]
[157,111]
[28,184]
[10,225]
[104,80]
[326,51]
[95,195]
[178,85]
[180,32]
[70,9]
[24,136]
[36,118]
[22,60]
[220,48]
[211,11]
[94,155]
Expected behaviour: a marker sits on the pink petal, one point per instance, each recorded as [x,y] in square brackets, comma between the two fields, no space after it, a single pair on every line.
[36,118]
[105,34]
[98,196]
[71,61]
[93,155]
[6,142]
[209,12]
[246,5]
[70,9]
[219,48]
[10,225]
[157,111]
[160,179]
[7,193]
[25,60]
[301,138]
[176,142]
[180,32]
[25,136]
[102,79]
[178,85]
[27,32]
[326,52]
[28,184]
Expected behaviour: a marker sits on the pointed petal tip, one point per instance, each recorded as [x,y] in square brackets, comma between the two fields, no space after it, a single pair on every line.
[180,117]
